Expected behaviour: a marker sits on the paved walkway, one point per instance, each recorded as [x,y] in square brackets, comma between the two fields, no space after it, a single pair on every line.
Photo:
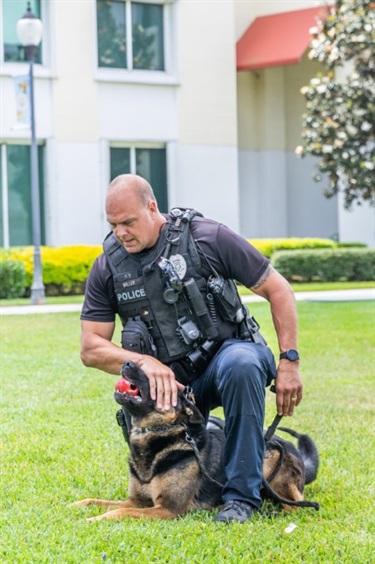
[325,296]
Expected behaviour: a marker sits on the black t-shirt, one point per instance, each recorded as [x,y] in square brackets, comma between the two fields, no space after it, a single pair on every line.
[231,255]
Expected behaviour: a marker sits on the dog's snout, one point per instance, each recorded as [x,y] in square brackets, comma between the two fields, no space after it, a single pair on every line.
[128,368]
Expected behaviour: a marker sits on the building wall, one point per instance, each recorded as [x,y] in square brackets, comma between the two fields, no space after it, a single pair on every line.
[229,136]
[82,110]
[194,114]
[275,185]
[74,157]
[207,108]
[277,193]
[357,224]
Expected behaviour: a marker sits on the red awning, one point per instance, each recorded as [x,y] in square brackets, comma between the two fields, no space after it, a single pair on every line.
[275,40]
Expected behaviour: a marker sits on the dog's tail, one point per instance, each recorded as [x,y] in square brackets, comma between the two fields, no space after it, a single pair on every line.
[309,453]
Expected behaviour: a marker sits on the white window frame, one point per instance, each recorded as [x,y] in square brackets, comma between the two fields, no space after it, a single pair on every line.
[169,75]
[5,201]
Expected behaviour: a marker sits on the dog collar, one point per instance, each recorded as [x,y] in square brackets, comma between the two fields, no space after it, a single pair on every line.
[159,429]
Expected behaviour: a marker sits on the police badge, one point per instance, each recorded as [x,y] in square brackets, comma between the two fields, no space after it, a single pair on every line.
[179,264]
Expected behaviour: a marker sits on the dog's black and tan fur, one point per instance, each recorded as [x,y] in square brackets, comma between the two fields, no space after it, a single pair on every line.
[169,476]
[288,469]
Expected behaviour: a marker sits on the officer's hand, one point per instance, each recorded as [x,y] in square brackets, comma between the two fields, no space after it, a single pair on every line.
[163,384]
[288,387]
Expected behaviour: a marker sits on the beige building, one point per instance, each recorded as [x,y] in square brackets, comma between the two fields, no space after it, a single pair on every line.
[200,97]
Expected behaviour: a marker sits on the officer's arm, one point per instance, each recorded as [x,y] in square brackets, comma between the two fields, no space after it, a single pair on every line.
[274,288]
[97,351]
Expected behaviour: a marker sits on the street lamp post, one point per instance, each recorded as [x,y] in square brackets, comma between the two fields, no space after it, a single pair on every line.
[29,30]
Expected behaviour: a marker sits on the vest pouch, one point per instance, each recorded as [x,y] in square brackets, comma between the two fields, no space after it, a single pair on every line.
[226,299]
[135,337]
[182,372]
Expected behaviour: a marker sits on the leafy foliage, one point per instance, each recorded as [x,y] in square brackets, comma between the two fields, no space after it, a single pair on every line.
[65,269]
[268,246]
[338,125]
[326,265]
[12,279]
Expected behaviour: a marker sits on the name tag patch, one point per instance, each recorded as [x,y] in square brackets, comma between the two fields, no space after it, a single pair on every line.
[131,283]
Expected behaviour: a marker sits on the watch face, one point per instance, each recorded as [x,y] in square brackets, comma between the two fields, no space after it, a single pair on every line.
[292,354]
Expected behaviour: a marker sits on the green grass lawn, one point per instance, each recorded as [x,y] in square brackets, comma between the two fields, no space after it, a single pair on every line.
[61,443]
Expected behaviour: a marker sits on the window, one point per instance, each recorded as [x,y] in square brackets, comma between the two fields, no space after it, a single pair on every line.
[130,35]
[147,162]
[15,195]
[14,52]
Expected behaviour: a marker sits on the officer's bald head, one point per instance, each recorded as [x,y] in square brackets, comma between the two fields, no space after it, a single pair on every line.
[126,184]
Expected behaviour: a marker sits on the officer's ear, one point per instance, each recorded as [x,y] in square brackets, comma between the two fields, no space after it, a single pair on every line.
[152,207]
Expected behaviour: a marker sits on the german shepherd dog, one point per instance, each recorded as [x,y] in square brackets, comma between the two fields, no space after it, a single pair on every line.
[177,462]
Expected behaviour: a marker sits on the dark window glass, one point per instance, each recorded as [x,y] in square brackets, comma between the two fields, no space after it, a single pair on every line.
[19,195]
[152,165]
[12,12]
[148,42]
[111,27]
[120,161]
[147,32]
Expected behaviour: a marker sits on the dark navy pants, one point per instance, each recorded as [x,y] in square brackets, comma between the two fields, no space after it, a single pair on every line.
[236,379]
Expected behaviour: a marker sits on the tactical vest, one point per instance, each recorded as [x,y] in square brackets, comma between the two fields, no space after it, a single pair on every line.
[165,288]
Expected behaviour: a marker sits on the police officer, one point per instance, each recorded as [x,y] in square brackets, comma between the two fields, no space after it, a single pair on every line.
[155,268]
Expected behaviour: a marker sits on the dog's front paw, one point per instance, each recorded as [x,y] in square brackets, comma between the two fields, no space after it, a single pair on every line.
[97,518]
[82,503]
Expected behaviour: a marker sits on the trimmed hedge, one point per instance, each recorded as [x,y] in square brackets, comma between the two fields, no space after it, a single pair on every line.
[12,279]
[65,269]
[326,265]
[269,246]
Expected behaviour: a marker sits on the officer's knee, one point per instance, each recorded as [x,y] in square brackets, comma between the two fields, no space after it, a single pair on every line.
[242,367]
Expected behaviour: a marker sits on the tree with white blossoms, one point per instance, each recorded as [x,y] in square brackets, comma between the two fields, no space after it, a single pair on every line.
[338,125]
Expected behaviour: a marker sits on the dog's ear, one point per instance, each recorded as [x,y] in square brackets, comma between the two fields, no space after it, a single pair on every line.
[195,416]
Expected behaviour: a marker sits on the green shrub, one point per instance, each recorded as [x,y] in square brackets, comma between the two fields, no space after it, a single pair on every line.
[268,246]
[326,265]
[358,245]
[12,279]
[65,269]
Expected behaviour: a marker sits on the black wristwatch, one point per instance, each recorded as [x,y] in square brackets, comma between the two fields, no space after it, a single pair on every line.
[291,355]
